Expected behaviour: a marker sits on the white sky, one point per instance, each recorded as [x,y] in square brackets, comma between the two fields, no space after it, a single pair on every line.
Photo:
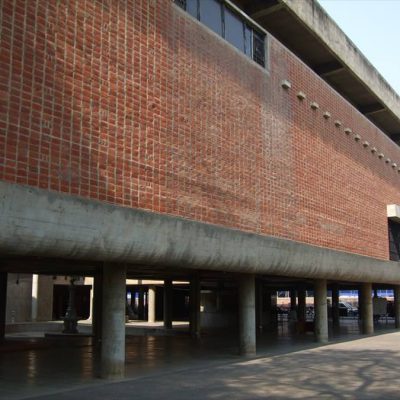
[374,27]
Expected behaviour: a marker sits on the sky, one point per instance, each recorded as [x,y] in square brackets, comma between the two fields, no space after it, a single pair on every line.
[374,27]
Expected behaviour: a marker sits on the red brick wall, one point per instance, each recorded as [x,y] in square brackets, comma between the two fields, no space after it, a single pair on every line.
[134,103]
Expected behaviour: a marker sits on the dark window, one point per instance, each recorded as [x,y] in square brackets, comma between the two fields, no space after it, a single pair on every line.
[210,15]
[228,24]
[394,241]
[258,48]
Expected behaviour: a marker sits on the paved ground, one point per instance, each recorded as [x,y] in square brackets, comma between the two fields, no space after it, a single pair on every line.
[176,367]
[361,369]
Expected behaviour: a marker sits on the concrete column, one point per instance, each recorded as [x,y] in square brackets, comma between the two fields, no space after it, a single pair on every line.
[335,307]
[151,304]
[259,305]
[45,298]
[168,293]
[113,326]
[35,295]
[367,317]
[97,290]
[247,315]
[194,307]
[89,281]
[3,304]
[293,299]
[321,311]
[301,313]
[396,291]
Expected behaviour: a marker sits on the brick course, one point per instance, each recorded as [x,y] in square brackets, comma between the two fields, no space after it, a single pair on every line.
[135,103]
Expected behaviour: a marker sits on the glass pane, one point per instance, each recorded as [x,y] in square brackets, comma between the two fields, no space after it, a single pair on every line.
[247,44]
[234,30]
[210,15]
[191,7]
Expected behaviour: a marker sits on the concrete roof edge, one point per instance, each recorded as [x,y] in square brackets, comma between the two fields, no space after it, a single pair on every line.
[312,14]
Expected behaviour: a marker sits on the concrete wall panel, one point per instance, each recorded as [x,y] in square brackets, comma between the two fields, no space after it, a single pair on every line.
[57,225]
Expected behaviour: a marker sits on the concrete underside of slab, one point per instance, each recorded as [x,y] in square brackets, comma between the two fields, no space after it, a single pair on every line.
[41,223]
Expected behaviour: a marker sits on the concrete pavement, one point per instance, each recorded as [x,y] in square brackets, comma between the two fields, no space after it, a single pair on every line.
[366,368]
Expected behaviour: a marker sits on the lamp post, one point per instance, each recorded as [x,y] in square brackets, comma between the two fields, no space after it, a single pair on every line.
[71,318]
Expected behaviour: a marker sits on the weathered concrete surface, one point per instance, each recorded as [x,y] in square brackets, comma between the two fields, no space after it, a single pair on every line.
[151,317]
[318,21]
[168,293]
[247,315]
[194,319]
[367,321]
[3,303]
[41,223]
[397,306]
[19,298]
[113,323]
[321,311]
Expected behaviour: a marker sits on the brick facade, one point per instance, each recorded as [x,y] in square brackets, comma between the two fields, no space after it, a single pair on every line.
[134,103]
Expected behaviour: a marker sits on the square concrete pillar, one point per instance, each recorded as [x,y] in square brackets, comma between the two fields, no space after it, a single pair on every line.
[151,304]
[259,305]
[113,321]
[321,311]
[247,315]
[97,301]
[194,303]
[3,303]
[302,308]
[335,307]
[293,299]
[367,316]
[396,291]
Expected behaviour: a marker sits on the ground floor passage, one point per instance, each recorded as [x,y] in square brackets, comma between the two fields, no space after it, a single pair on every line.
[33,365]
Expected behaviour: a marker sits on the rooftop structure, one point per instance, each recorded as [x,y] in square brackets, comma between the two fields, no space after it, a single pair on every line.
[305,28]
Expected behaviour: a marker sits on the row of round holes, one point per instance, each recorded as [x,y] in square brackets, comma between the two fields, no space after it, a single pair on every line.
[315,106]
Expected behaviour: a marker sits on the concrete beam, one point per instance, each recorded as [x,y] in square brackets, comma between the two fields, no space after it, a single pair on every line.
[328,68]
[258,12]
[37,222]
[372,109]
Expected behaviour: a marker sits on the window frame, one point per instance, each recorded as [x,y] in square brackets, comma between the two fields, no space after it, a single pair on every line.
[247,22]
